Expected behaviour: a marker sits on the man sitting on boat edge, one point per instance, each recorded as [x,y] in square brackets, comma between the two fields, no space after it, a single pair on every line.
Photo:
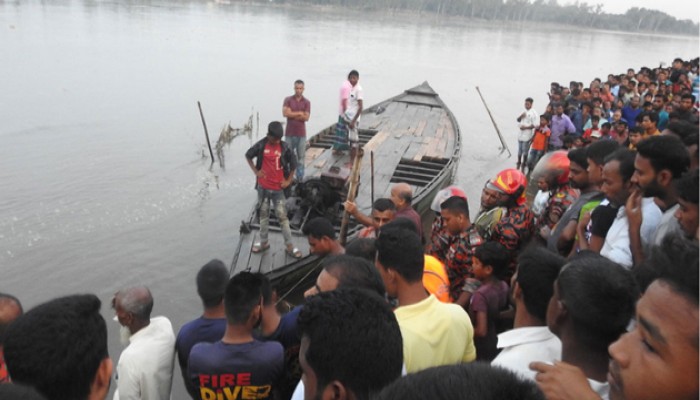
[274,168]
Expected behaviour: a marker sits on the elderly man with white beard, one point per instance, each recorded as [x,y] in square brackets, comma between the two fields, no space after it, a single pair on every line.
[145,368]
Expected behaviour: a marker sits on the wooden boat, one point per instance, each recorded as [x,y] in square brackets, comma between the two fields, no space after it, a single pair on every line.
[414,138]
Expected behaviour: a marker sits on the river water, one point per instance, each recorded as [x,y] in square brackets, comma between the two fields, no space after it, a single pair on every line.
[104,178]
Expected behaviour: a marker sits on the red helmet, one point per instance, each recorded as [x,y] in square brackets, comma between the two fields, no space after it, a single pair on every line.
[558,166]
[511,181]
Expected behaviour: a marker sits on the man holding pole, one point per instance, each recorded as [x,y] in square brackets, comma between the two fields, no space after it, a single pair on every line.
[297,109]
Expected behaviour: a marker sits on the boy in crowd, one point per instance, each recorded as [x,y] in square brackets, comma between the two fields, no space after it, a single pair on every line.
[540,142]
[60,349]
[561,239]
[591,306]
[490,263]
[593,224]
[210,327]
[434,333]
[464,238]
[636,135]
[351,345]
[322,238]
[648,120]
[530,339]
[588,133]
[238,365]
[562,194]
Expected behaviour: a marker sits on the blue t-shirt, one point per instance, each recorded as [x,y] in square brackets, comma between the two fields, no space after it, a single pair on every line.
[237,371]
[200,330]
[287,333]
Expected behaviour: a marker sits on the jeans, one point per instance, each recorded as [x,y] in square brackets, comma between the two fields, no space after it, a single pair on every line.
[298,145]
[523,147]
[278,200]
[533,158]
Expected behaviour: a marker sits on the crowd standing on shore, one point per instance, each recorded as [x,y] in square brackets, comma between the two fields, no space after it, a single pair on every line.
[590,293]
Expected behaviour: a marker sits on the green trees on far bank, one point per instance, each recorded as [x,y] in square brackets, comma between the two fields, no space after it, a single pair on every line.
[582,14]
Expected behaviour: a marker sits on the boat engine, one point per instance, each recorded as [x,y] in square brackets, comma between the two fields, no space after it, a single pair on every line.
[317,198]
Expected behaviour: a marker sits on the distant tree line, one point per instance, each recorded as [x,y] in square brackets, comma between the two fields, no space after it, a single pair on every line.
[582,14]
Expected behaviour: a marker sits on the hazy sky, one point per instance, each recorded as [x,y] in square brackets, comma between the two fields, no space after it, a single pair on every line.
[681,9]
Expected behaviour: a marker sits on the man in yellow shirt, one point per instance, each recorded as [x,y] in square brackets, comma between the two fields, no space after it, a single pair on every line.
[434,333]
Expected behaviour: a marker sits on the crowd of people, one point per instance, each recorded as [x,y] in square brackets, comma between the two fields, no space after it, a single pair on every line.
[590,293]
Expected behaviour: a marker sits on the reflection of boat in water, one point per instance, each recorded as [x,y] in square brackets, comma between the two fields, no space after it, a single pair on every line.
[414,138]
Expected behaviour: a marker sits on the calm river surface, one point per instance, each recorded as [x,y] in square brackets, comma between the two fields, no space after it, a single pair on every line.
[104,183]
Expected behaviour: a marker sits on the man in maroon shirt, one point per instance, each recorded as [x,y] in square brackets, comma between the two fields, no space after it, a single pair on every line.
[297,109]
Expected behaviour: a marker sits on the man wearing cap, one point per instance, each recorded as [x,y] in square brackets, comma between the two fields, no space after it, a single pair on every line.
[274,167]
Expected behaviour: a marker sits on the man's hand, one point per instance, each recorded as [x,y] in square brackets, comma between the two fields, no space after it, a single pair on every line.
[285,183]
[260,173]
[350,207]
[562,381]
[583,223]
[633,209]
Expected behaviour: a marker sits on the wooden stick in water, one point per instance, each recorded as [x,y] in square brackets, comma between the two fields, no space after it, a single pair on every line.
[206,132]
[503,142]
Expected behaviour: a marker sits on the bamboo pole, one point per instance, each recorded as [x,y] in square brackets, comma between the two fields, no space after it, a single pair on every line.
[354,181]
[503,142]
[206,132]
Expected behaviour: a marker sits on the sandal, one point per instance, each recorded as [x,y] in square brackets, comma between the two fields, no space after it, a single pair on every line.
[294,252]
[260,247]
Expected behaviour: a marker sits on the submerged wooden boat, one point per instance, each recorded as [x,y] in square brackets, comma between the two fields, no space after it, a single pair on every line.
[414,138]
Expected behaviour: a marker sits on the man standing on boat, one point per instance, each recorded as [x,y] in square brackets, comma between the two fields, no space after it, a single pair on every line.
[350,109]
[297,109]
[274,167]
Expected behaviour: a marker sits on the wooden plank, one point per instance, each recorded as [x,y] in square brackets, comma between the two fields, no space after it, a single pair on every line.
[375,142]
[421,127]
[312,153]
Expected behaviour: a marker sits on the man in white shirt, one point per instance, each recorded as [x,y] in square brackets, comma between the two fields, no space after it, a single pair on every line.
[527,121]
[351,99]
[591,306]
[530,339]
[145,368]
[660,160]
[617,187]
